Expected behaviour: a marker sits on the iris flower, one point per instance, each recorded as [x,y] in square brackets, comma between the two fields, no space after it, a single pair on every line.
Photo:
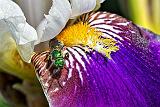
[14,26]
[26,36]
[100,60]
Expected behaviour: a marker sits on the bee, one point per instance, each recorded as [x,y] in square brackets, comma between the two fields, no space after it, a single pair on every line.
[56,56]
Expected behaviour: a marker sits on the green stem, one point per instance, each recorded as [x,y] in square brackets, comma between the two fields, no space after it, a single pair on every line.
[156,14]
[139,12]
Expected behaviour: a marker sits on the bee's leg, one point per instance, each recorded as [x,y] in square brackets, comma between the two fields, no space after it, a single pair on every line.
[56,73]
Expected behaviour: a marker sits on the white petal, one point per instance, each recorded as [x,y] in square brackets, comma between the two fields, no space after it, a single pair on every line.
[101,1]
[53,24]
[34,10]
[13,19]
[82,6]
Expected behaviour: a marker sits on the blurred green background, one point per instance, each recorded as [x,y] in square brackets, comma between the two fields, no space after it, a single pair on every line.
[18,84]
[142,12]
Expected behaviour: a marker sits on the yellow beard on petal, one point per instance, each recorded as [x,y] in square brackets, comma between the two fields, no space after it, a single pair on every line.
[83,34]
[80,33]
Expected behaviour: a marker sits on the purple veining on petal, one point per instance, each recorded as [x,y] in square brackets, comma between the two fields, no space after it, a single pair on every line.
[89,79]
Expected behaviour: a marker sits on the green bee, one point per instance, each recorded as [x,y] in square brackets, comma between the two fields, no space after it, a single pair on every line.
[56,56]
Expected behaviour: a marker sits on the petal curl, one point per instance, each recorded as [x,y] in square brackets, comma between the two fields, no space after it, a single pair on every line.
[52,25]
[131,78]
[13,20]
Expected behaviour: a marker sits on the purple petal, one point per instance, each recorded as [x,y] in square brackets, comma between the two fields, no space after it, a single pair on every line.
[89,79]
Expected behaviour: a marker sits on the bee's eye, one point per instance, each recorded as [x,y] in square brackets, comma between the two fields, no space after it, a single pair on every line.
[56,54]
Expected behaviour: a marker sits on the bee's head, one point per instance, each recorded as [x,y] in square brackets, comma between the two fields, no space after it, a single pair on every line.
[55,44]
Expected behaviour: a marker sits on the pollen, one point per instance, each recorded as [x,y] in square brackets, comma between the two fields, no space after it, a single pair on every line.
[80,33]
[85,35]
